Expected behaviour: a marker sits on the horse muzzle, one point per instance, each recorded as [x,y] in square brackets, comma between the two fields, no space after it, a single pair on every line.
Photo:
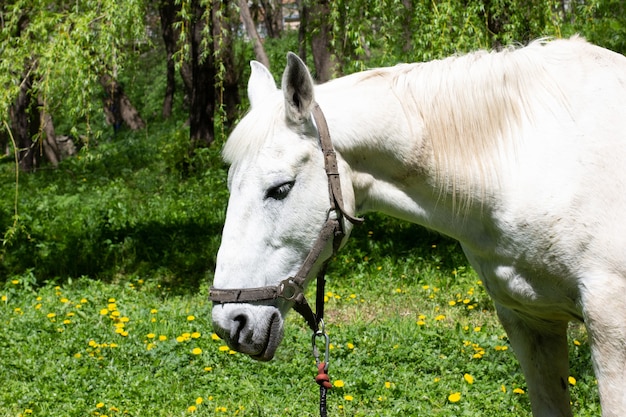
[255,330]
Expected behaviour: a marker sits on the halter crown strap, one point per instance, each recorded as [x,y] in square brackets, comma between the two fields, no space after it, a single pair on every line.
[292,288]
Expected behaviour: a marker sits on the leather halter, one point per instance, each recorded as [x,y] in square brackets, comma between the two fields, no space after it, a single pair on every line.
[292,288]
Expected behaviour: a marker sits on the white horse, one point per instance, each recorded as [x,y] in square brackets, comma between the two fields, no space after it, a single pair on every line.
[520,155]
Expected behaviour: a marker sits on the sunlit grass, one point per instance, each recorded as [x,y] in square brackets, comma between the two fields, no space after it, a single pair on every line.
[410,335]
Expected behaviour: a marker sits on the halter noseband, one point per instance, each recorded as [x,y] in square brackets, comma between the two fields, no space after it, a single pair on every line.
[292,288]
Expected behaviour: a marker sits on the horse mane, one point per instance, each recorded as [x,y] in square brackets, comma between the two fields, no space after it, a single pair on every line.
[473,107]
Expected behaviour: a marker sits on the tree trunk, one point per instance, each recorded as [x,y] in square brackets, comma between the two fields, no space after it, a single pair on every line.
[302,29]
[273,17]
[201,113]
[320,41]
[167,12]
[248,22]
[117,106]
[48,137]
[25,125]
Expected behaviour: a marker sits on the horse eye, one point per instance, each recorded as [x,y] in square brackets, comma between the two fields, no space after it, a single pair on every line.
[281,191]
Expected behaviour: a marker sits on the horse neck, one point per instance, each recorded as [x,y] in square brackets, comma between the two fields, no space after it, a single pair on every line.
[391,143]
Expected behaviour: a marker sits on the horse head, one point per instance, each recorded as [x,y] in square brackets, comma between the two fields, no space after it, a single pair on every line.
[279,204]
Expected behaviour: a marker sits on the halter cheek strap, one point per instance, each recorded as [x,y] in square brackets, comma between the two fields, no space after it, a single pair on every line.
[292,288]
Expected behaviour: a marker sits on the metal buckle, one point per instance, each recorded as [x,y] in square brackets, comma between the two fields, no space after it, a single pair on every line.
[321,333]
[289,290]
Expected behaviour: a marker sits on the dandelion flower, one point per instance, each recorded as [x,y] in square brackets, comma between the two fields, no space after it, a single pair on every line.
[195,335]
[451,303]
[104,311]
[99,405]
[191,318]
[162,338]
[455,397]
[150,335]
[192,408]
[338,383]
[214,336]
[440,317]
[223,348]
[348,397]
[468,378]
[571,380]
[502,388]
[518,391]
[350,345]
[387,384]
[51,315]
[199,400]
[196,351]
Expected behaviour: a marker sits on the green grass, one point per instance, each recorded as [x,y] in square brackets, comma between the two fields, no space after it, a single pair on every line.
[406,326]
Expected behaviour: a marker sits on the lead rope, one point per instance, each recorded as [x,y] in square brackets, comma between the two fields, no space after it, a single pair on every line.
[322,378]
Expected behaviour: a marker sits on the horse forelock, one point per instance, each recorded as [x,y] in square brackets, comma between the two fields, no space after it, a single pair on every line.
[254,130]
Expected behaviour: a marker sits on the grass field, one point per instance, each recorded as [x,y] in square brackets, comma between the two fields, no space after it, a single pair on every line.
[413,333]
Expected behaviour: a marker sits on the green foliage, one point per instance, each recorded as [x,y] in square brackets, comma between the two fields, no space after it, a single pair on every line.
[66,47]
[119,208]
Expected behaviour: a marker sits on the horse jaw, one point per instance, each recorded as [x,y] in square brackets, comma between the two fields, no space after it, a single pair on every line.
[255,330]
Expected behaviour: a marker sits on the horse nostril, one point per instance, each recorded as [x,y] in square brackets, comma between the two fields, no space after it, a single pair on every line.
[239,324]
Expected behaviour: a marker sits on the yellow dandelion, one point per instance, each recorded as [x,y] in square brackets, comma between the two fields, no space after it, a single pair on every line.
[348,397]
[150,335]
[191,318]
[576,342]
[199,400]
[571,380]
[518,391]
[112,306]
[349,345]
[214,336]
[192,409]
[468,378]
[15,282]
[154,311]
[223,348]
[477,328]
[51,315]
[455,397]
[196,351]
[104,311]
[162,338]
[387,384]
[338,383]
[451,303]
[195,335]
[99,405]
[440,317]
[502,388]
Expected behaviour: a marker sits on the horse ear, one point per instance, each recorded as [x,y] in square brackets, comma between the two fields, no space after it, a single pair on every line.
[261,83]
[297,87]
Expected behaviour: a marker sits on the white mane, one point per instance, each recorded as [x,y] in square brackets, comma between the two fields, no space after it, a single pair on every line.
[472,104]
